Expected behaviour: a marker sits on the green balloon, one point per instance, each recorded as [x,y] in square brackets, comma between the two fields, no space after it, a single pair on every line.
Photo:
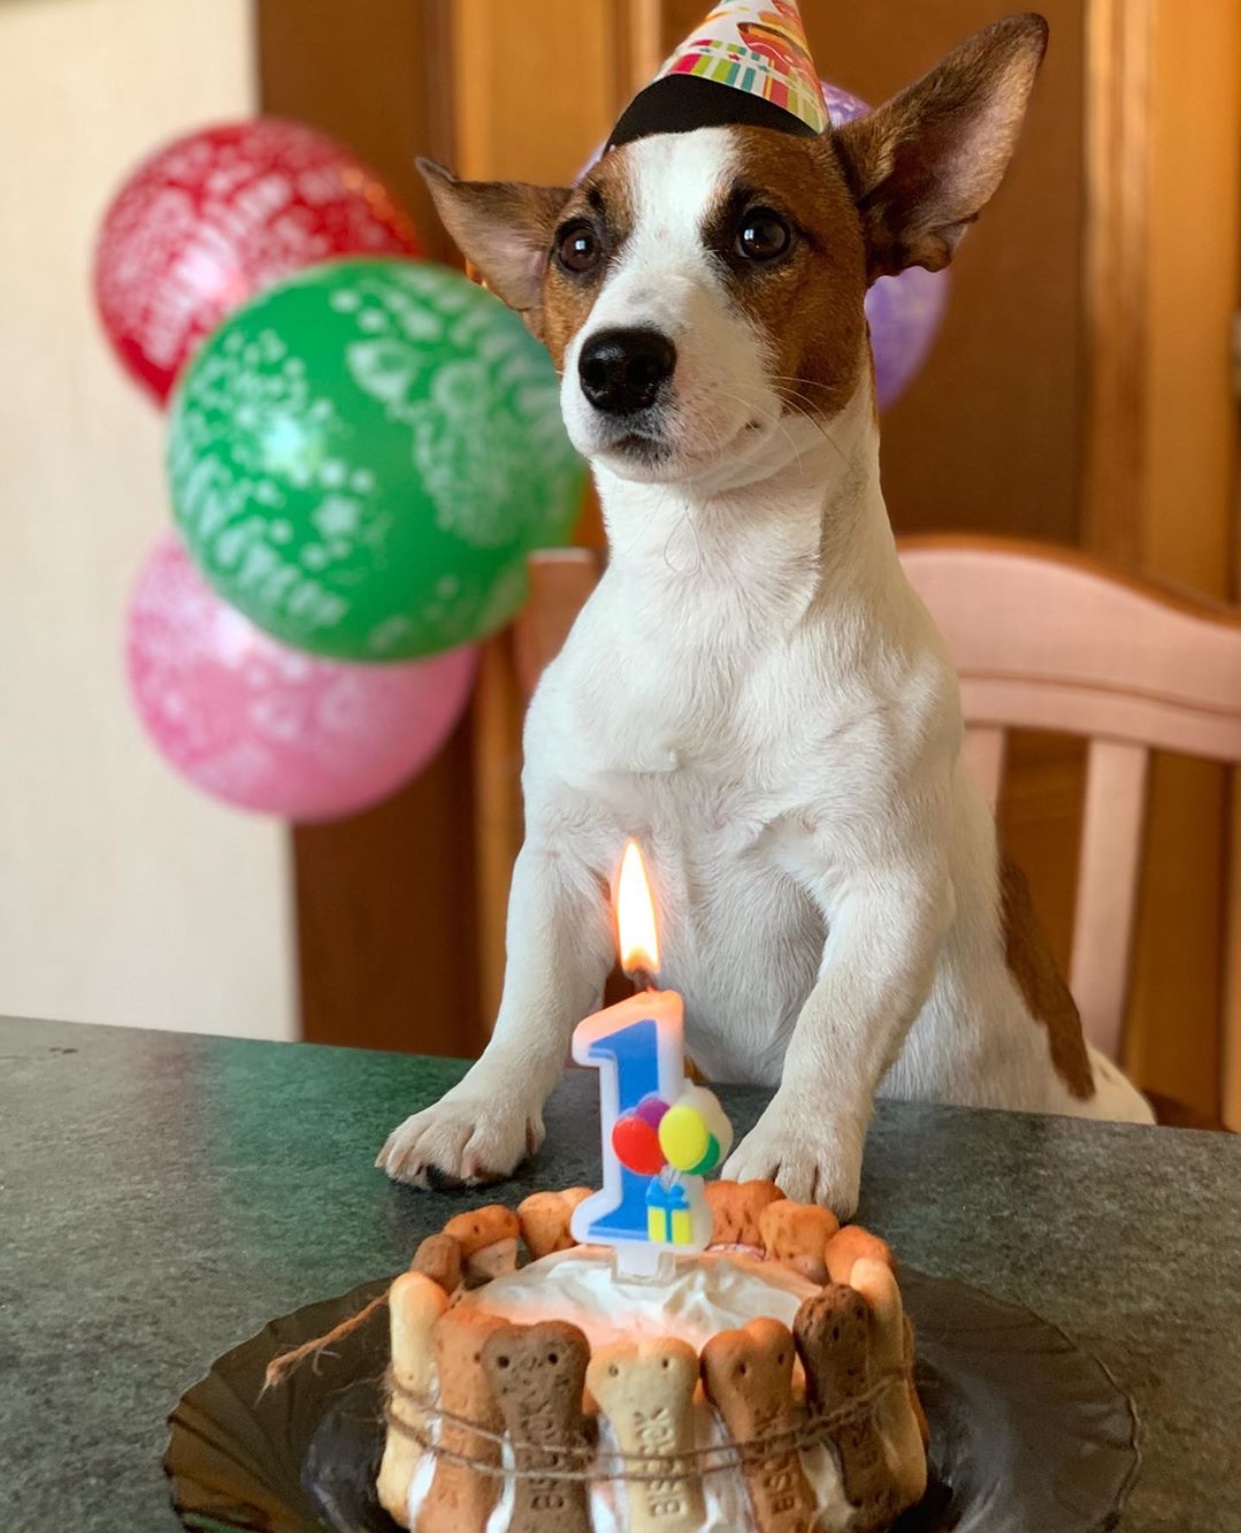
[363,457]
[710,1160]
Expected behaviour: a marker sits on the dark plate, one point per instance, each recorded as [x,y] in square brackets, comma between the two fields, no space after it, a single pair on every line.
[1029,1434]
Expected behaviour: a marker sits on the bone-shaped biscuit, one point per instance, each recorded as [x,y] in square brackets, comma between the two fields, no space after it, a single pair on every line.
[646,1390]
[854,1244]
[797,1233]
[488,1241]
[483,1227]
[439,1257]
[462,1498]
[415,1305]
[736,1208]
[832,1331]
[748,1376]
[894,1412]
[537,1373]
[545,1220]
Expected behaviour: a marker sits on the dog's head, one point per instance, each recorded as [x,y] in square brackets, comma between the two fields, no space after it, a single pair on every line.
[702,293]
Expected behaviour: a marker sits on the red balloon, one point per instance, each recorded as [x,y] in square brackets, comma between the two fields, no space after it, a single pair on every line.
[217,216]
[637,1145]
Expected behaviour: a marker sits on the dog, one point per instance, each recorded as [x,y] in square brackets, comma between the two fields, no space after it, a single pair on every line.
[754,692]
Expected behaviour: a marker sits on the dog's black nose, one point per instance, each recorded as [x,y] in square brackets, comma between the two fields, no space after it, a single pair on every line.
[624,370]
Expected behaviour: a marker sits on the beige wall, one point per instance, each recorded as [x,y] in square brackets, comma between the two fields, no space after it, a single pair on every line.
[125,896]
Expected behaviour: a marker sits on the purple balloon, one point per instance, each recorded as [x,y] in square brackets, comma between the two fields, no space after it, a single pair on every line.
[651,1109]
[905,312]
[266,727]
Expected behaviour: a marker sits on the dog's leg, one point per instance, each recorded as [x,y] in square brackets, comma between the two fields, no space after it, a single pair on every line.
[560,948]
[886,928]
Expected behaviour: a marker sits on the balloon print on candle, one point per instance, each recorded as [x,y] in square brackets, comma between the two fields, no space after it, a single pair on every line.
[219,215]
[363,458]
[266,728]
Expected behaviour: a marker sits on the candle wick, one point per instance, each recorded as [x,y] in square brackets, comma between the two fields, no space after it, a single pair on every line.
[640,978]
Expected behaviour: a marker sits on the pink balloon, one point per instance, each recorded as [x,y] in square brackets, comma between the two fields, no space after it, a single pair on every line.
[269,728]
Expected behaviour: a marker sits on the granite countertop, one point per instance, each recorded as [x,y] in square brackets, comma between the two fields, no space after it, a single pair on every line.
[162,1196]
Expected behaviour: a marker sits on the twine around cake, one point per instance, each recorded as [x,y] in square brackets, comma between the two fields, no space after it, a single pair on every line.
[648,1468]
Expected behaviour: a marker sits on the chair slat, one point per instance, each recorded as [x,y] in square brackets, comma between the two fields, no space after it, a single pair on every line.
[561,581]
[983,753]
[1107,888]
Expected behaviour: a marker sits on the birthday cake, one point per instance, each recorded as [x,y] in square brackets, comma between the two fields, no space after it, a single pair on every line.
[763,1383]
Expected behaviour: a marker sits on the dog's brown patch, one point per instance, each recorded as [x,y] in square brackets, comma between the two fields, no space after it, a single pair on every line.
[809,304]
[1040,982]
[604,200]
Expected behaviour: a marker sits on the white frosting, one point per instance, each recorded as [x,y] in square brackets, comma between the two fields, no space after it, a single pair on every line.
[706,1294]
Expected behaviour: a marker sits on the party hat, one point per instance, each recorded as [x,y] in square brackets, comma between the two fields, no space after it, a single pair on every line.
[748,63]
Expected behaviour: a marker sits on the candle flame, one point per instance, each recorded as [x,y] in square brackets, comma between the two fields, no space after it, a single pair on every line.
[635,914]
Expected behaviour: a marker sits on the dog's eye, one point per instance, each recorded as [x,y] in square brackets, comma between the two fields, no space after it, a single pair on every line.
[578,247]
[763,236]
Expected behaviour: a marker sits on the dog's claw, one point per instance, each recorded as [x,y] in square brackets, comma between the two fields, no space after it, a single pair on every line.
[808,1166]
[459,1143]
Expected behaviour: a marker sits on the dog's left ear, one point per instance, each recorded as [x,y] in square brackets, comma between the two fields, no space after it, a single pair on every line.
[923,166]
[504,228]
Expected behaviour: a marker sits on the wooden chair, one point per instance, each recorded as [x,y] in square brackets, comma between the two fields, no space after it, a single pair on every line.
[1044,638]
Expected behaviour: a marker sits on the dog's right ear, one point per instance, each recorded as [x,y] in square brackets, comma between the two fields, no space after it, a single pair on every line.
[504,229]
[923,166]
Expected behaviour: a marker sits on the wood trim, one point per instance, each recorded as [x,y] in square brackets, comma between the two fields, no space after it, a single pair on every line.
[385,901]
[1119,43]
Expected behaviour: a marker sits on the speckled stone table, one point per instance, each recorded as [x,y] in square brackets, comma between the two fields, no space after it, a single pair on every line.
[162,1196]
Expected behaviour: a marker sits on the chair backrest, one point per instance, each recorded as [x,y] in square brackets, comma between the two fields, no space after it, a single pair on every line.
[1044,638]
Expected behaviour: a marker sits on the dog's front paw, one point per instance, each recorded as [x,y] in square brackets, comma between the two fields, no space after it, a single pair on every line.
[809,1159]
[470,1140]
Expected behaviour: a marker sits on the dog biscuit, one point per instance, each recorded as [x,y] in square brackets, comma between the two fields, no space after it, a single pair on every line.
[646,1390]
[439,1258]
[748,1377]
[851,1245]
[791,1230]
[491,1261]
[736,1208]
[415,1306]
[812,1268]
[537,1373]
[894,1412]
[832,1332]
[461,1499]
[483,1227]
[545,1220]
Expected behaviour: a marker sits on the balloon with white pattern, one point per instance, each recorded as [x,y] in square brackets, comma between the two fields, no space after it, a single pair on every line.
[218,215]
[363,458]
[270,729]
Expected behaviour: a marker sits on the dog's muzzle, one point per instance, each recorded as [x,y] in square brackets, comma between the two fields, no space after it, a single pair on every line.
[625,371]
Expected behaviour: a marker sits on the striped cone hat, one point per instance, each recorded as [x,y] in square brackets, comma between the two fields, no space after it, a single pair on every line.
[748,64]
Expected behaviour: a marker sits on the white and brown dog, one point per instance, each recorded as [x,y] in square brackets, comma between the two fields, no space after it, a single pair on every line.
[754,691]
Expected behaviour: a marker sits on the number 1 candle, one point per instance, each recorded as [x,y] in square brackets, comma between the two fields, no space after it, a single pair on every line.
[661,1135]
